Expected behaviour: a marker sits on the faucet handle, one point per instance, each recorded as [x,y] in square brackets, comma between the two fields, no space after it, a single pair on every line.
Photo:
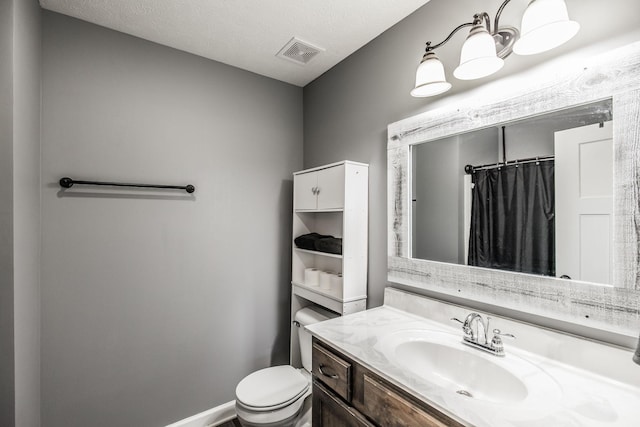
[465,327]
[496,341]
[497,333]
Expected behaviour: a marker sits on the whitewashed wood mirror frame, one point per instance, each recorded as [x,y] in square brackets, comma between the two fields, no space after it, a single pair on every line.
[557,85]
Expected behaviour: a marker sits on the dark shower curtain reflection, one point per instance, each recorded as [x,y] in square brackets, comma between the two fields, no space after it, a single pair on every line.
[512,218]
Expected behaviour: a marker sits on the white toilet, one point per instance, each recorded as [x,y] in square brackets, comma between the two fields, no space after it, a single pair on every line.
[276,396]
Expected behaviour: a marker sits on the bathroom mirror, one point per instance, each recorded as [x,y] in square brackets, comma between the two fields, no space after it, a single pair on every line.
[554,88]
[531,196]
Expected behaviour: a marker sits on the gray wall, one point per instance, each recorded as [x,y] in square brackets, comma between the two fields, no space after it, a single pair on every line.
[436,200]
[438,181]
[7,389]
[155,304]
[19,213]
[26,208]
[347,110]
[535,136]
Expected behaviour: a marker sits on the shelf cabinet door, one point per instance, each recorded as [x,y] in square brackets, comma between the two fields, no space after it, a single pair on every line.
[331,183]
[304,195]
[320,190]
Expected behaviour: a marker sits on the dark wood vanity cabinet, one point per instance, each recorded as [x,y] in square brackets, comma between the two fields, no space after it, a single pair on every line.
[331,411]
[347,394]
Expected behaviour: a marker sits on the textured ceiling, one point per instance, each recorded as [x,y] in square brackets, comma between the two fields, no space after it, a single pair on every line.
[248,33]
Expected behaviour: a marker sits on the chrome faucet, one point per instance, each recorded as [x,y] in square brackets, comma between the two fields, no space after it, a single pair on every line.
[473,338]
[480,324]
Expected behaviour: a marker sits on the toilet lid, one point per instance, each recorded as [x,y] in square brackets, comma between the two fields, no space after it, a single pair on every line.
[271,386]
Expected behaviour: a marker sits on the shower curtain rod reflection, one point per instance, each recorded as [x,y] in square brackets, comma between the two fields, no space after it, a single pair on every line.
[67,182]
[469,169]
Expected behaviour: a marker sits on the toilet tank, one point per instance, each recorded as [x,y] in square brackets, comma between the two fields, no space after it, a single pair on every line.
[309,316]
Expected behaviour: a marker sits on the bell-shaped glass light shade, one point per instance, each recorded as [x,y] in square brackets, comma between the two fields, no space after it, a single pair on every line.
[478,56]
[430,79]
[545,25]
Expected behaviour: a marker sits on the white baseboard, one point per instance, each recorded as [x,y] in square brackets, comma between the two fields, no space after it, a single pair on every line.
[211,417]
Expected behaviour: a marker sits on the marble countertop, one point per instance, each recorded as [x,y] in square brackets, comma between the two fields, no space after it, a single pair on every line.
[585,398]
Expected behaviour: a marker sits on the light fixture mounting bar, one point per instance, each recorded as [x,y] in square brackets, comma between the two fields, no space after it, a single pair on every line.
[505,37]
[455,30]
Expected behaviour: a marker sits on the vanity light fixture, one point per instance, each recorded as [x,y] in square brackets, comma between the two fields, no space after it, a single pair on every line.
[545,25]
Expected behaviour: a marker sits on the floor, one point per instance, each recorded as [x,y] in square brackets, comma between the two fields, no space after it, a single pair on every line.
[232,423]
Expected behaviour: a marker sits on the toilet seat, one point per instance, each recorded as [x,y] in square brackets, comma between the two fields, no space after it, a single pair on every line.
[274,407]
[271,388]
[272,395]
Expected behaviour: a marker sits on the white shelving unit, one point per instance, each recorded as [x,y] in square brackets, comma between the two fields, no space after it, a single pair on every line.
[333,200]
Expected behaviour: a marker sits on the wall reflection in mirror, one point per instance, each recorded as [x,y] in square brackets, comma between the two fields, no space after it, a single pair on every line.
[533,196]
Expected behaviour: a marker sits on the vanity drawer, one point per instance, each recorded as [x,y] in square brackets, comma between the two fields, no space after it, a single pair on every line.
[332,370]
[389,409]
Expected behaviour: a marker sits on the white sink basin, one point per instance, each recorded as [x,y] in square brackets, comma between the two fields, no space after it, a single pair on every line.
[443,360]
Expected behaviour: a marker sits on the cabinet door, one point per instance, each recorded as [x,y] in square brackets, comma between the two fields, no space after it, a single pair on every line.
[330,411]
[391,409]
[331,188]
[304,195]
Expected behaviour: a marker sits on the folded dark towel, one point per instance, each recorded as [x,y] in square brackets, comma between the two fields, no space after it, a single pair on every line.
[308,241]
[332,245]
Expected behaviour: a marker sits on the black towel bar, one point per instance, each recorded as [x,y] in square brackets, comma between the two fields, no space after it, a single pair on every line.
[67,182]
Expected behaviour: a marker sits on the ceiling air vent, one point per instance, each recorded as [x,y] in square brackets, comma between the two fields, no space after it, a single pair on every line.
[299,51]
